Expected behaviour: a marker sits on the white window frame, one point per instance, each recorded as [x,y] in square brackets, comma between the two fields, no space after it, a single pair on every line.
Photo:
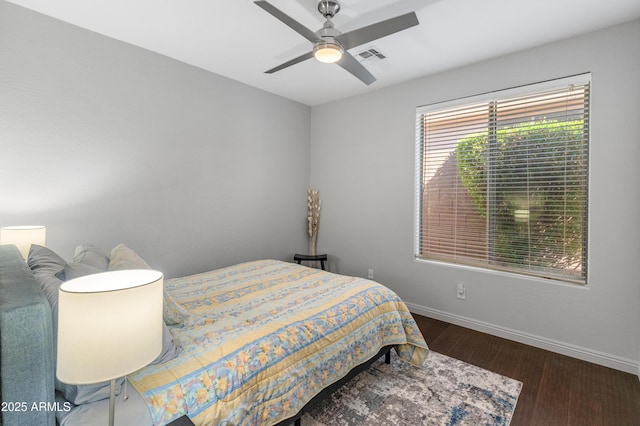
[579,79]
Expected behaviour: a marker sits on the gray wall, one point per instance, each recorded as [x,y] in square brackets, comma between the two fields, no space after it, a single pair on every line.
[104,142]
[364,169]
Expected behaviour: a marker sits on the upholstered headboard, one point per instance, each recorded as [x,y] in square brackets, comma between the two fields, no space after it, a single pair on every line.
[26,345]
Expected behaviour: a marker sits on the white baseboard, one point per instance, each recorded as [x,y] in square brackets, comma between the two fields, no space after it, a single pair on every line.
[585,354]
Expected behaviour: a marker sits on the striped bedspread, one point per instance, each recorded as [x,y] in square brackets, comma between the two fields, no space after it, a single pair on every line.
[265,337]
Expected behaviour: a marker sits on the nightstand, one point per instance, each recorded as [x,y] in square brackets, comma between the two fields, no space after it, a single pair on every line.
[311,258]
[181,421]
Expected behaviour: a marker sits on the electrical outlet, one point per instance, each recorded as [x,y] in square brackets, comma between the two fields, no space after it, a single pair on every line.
[370,274]
[461,292]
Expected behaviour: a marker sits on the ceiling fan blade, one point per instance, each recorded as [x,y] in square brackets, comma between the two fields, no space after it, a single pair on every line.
[351,64]
[289,21]
[293,61]
[378,30]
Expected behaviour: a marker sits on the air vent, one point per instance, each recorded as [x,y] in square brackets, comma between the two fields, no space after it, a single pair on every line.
[371,54]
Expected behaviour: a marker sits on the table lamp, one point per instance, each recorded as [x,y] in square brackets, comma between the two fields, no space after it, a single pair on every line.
[109,325]
[23,236]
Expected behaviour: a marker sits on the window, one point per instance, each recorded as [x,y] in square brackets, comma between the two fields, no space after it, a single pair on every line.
[501,180]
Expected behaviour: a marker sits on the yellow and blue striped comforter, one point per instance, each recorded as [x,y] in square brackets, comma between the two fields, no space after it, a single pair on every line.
[265,337]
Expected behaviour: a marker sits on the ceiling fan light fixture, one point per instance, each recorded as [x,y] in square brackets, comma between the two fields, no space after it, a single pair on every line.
[332,46]
[328,53]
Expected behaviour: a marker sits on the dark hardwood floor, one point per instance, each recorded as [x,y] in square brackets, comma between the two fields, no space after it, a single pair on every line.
[558,390]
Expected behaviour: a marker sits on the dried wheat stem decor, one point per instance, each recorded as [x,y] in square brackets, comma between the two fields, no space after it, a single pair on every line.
[313,217]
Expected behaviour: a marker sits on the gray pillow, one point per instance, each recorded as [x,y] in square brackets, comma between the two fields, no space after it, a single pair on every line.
[91,255]
[43,260]
[46,264]
[74,270]
[122,257]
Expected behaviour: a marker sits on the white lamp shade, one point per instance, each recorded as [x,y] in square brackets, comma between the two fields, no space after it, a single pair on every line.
[23,236]
[109,325]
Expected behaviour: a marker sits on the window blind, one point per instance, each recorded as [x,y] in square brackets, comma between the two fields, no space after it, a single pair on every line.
[502,180]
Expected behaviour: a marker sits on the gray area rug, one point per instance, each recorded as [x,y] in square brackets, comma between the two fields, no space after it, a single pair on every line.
[444,391]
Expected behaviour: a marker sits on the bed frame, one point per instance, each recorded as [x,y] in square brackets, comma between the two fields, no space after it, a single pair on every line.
[27,387]
[326,392]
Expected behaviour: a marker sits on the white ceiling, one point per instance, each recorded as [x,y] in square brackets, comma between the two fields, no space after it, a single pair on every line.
[239,40]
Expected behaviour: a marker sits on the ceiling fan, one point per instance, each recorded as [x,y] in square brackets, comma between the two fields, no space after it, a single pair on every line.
[330,45]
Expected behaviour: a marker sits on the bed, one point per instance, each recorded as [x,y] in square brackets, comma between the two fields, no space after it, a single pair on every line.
[250,344]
